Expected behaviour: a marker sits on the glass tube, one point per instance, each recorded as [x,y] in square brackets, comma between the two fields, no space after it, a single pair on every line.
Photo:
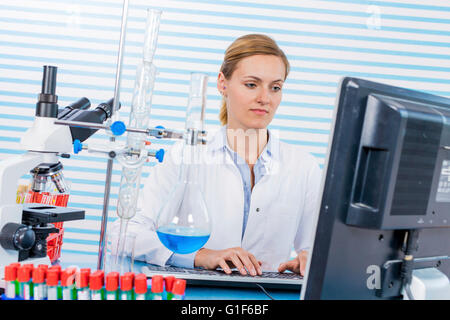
[195,111]
[131,162]
[151,37]
[123,29]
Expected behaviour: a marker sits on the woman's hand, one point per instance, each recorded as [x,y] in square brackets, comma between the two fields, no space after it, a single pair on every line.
[297,265]
[227,259]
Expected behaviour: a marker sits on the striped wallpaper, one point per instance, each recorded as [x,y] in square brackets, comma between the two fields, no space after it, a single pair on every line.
[400,42]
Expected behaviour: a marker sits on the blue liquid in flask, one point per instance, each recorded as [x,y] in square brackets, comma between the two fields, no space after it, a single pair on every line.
[181,239]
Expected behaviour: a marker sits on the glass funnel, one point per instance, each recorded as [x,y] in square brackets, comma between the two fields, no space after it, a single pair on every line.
[183,223]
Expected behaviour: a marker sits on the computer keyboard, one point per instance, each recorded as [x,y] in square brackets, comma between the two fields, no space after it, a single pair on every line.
[274,280]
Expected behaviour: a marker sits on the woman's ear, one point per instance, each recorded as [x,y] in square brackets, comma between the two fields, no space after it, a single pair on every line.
[221,83]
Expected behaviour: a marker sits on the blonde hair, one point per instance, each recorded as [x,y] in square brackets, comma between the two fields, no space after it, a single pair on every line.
[246,46]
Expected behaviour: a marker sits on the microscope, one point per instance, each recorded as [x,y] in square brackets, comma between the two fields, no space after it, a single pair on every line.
[24,228]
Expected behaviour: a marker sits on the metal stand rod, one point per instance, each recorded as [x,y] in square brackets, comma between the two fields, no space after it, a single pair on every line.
[155,132]
[82,124]
[102,244]
[103,229]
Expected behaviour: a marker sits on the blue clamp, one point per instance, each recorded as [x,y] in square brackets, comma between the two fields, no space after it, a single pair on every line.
[160,155]
[159,127]
[118,128]
[77,146]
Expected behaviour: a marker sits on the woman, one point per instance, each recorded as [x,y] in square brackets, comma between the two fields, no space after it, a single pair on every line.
[263,196]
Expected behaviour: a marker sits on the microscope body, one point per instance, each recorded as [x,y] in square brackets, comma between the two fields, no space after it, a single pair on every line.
[24,228]
[12,229]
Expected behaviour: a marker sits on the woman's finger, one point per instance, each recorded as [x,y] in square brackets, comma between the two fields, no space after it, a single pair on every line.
[282,267]
[302,262]
[248,264]
[291,265]
[255,264]
[238,264]
[223,264]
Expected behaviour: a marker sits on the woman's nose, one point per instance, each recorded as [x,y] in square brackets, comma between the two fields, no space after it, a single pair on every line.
[263,96]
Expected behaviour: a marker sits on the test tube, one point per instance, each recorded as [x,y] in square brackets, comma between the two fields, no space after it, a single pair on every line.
[39,286]
[126,286]
[16,282]
[67,284]
[24,277]
[157,287]
[53,275]
[112,286]
[168,282]
[96,280]
[140,286]
[179,287]
[82,282]
[30,267]
[11,280]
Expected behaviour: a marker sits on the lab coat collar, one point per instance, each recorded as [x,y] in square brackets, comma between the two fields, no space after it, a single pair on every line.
[270,153]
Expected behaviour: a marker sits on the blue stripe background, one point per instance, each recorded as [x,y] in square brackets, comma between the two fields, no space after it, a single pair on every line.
[81,38]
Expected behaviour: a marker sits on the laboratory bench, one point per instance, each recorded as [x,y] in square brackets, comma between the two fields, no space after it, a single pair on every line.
[193,292]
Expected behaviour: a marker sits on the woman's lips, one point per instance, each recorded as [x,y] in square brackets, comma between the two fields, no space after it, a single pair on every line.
[259,111]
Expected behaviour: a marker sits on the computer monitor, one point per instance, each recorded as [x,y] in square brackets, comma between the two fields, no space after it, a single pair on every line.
[387,176]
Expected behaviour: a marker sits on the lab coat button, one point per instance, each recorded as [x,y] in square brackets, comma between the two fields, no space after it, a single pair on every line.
[257,209]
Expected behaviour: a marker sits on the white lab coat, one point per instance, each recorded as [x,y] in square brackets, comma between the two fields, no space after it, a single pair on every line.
[282,206]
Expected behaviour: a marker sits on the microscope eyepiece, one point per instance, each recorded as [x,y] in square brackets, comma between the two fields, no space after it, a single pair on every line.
[49,80]
[70,110]
[107,107]
[47,105]
[102,112]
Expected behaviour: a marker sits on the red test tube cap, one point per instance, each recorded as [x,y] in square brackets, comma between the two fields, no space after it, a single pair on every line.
[68,277]
[39,275]
[96,280]
[43,266]
[103,274]
[57,267]
[157,284]
[169,283]
[15,265]
[53,277]
[11,272]
[23,274]
[179,286]
[112,281]
[126,281]
[82,278]
[140,283]
[30,266]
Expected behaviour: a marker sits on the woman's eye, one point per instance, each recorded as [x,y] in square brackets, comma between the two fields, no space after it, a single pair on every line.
[276,88]
[250,85]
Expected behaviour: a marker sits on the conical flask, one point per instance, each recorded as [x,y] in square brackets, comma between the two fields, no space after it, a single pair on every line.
[183,223]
